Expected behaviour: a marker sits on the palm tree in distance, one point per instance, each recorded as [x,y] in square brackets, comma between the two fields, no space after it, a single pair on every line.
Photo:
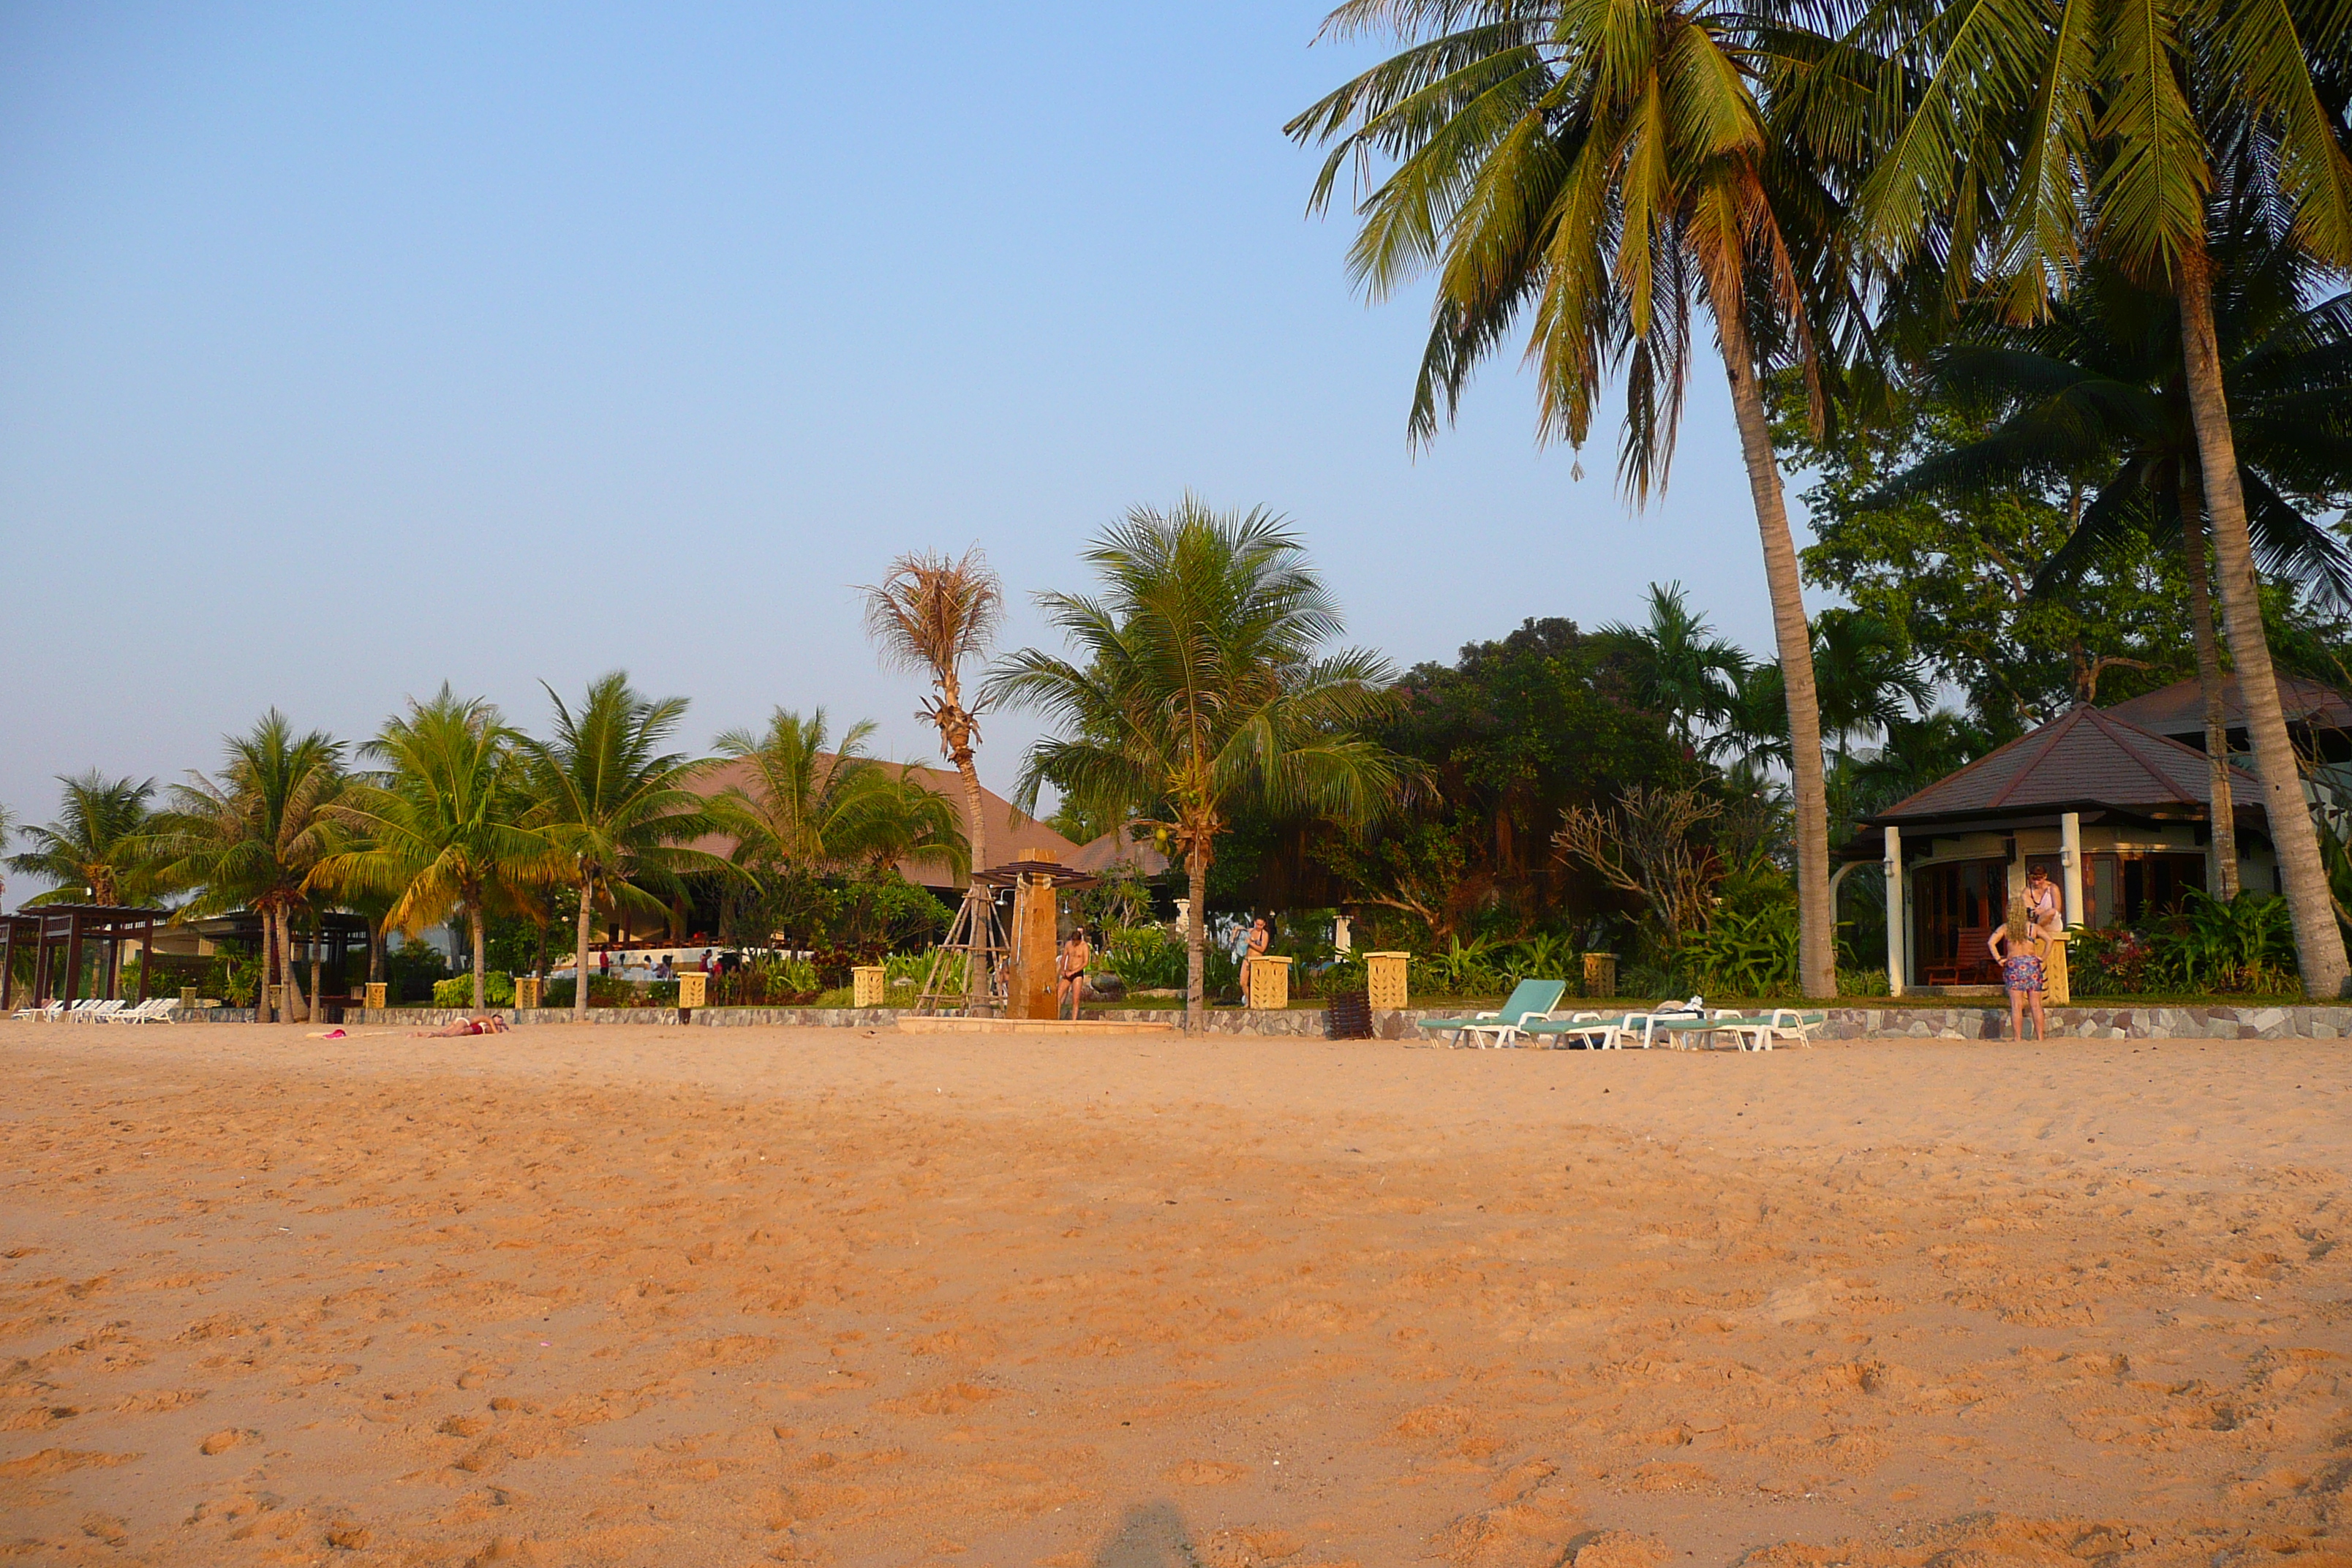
[929,614]
[1682,669]
[96,852]
[605,794]
[440,827]
[2019,142]
[809,806]
[1598,170]
[2097,393]
[250,838]
[1199,688]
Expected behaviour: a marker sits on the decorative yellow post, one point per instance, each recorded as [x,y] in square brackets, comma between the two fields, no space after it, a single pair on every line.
[2057,987]
[1036,921]
[1384,977]
[1268,986]
[1600,974]
[527,993]
[187,998]
[869,986]
[692,988]
[375,995]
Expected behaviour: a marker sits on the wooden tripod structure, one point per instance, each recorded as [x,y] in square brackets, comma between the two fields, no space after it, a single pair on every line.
[978,939]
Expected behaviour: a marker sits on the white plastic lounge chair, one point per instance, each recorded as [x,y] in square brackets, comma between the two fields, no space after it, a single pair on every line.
[48,1013]
[150,1011]
[1596,1031]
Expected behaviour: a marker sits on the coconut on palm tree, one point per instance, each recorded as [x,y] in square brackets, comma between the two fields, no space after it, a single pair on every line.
[250,838]
[97,851]
[1198,687]
[1595,173]
[441,823]
[2095,393]
[603,793]
[2014,143]
[930,615]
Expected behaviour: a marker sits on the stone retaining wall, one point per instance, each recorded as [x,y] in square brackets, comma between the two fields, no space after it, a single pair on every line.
[1845,1023]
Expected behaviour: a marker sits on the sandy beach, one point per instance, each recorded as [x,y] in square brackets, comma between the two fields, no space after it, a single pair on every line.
[737,1296]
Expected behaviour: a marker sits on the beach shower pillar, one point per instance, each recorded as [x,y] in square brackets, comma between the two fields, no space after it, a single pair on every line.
[2069,859]
[1029,984]
[1895,915]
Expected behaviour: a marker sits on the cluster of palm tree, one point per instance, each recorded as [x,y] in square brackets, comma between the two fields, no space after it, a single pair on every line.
[449,815]
[1847,188]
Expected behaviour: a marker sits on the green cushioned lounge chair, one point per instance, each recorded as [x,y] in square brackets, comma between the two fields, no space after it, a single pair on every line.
[1530,1000]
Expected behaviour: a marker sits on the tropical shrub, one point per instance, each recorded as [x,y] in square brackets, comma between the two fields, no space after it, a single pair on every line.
[458,991]
[1750,953]
[2244,945]
[1146,957]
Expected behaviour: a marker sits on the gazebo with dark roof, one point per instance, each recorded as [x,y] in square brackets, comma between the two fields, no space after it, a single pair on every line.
[2118,815]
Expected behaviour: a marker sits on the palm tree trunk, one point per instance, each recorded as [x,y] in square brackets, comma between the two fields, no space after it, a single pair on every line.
[579,953]
[2318,941]
[375,952]
[2223,881]
[473,918]
[289,973]
[975,830]
[261,1009]
[1816,930]
[317,947]
[1196,941]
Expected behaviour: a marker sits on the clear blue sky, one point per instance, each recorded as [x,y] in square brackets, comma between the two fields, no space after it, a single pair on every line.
[347,350]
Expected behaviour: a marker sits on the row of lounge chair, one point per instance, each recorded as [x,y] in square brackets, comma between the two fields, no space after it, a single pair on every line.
[155,1010]
[1532,1015]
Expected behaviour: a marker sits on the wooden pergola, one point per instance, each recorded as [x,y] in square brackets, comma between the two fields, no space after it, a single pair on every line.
[49,930]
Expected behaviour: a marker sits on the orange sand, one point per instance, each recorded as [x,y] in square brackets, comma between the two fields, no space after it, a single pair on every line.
[736,1296]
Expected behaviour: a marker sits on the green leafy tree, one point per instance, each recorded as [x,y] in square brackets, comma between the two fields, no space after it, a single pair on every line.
[1952,574]
[441,825]
[2022,141]
[96,852]
[605,794]
[1598,172]
[2097,394]
[250,838]
[1201,689]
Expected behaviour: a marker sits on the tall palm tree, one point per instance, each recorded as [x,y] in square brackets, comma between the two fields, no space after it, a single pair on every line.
[251,837]
[96,852]
[7,831]
[1200,689]
[810,806]
[1869,683]
[929,614]
[1684,670]
[1598,169]
[604,794]
[440,825]
[2097,393]
[2018,140]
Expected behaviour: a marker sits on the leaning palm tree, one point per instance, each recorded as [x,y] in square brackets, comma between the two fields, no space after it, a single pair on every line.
[2019,142]
[441,825]
[1200,689]
[7,831]
[97,851]
[1597,171]
[930,616]
[250,838]
[605,792]
[2095,393]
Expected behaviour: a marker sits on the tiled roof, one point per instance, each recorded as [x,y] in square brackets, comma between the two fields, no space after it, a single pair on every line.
[2088,758]
[2179,708]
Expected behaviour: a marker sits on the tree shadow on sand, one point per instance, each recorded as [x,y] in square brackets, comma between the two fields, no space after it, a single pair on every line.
[1152,1535]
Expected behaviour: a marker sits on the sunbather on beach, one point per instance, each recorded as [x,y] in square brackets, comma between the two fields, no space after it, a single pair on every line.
[488,1024]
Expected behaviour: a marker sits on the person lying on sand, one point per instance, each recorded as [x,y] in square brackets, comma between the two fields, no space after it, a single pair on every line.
[488,1024]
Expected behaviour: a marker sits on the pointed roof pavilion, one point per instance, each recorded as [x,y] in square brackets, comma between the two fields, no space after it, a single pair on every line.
[2088,760]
